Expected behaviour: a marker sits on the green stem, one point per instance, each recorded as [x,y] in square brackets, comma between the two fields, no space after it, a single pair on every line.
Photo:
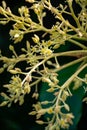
[44,60]
[59,15]
[61,18]
[35,82]
[70,64]
[18,19]
[73,76]
[73,14]
[75,53]
[77,43]
[80,38]
[67,83]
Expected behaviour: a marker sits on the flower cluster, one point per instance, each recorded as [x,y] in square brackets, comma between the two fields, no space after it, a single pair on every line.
[42,55]
[16,91]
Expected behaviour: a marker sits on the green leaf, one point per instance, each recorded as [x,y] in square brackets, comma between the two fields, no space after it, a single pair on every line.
[75,101]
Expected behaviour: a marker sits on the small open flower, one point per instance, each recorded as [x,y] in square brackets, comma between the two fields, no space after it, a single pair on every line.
[16,35]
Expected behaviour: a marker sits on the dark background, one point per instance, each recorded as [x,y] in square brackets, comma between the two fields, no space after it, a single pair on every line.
[16,117]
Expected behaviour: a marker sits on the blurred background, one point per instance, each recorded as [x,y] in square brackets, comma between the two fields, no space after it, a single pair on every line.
[16,117]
